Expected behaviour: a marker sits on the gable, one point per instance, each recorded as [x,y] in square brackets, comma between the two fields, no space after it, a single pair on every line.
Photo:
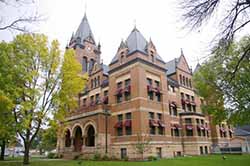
[182,64]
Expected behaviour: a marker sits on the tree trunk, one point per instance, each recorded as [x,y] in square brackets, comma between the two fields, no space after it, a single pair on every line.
[2,150]
[26,153]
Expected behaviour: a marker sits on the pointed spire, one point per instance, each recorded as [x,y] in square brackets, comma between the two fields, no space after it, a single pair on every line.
[182,54]
[122,44]
[84,31]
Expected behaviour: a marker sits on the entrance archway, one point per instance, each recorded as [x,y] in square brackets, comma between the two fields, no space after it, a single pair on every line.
[67,138]
[78,139]
[90,139]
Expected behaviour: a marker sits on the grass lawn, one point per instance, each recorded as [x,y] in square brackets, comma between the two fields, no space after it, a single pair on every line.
[212,160]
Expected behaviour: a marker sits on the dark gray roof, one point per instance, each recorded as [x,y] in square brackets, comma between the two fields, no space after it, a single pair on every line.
[105,69]
[171,66]
[172,82]
[198,66]
[135,42]
[84,31]
[240,132]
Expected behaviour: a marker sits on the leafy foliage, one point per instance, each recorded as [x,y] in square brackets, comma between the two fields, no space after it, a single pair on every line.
[39,82]
[227,97]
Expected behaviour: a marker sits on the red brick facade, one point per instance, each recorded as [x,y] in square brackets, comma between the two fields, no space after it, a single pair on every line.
[137,99]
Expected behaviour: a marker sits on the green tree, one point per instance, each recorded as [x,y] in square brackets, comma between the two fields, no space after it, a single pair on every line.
[38,75]
[227,97]
[7,132]
[49,138]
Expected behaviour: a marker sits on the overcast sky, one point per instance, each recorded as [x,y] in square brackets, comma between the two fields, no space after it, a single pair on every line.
[113,20]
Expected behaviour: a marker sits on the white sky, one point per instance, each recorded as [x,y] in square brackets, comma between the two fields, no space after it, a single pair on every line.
[113,20]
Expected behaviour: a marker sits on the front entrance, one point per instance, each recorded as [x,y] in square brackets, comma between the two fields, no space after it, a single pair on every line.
[90,139]
[78,140]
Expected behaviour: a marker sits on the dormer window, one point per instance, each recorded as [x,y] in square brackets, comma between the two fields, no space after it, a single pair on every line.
[152,58]
[122,57]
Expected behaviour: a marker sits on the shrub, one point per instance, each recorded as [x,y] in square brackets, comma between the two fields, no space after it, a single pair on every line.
[105,157]
[113,158]
[152,158]
[97,156]
[51,155]
[76,157]
[125,158]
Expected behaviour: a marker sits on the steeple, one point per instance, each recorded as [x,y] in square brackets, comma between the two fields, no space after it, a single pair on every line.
[83,33]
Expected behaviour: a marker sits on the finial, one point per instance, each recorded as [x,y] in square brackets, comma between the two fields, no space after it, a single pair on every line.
[85,8]
[198,60]
[182,52]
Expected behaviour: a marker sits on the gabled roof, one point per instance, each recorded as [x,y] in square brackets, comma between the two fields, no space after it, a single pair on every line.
[171,66]
[84,31]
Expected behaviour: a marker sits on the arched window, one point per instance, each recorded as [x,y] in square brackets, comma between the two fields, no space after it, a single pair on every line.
[183,80]
[84,64]
[187,82]
[190,83]
[180,79]
[90,140]
[67,139]
[91,64]
[95,83]
[98,80]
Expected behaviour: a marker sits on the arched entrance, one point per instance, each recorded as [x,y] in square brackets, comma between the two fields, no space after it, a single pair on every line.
[90,139]
[78,139]
[67,138]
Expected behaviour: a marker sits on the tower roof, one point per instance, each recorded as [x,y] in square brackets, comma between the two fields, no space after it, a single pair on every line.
[198,66]
[136,42]
[84,31]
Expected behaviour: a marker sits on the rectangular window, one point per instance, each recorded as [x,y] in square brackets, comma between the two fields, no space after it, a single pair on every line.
[158,97]
[160,130]
[92,100]
[176,132]
[84,102]
[149,81]
[127,90]
[159,115]
[119,131]
[128,116]
[188,120]
[151,115]
[120,118]
[119,92]
[194,108]
[189,132]
[128,127]
[150,95]
[152,130]
[157,84]
[105,93]
[182,95]
[97,98]
[158,152]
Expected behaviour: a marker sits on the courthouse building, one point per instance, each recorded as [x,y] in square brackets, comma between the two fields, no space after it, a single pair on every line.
[139,98]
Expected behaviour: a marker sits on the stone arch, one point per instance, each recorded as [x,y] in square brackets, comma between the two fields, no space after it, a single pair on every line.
[67,138]
[77,138]
[90,134]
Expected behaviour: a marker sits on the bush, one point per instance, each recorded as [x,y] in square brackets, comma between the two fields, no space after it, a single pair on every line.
[105,157]
[51,155]
[97,156]
[113,158]
[125,158]
[152,158]
[76,157]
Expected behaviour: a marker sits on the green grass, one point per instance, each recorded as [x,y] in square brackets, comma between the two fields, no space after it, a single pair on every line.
[213,160]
